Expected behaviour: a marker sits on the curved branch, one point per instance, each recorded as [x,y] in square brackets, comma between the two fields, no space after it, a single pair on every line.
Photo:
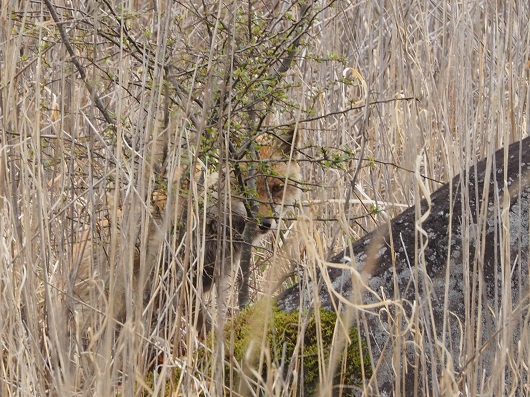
[80,68]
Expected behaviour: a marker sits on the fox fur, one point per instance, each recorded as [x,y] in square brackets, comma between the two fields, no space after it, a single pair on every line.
[206,216]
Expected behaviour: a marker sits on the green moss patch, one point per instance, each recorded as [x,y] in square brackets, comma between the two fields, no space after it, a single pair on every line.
[294,347]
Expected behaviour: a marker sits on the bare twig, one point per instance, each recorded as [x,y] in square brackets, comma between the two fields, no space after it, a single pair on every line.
[80,68]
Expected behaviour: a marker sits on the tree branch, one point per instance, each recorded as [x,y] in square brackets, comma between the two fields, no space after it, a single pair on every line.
[80,68]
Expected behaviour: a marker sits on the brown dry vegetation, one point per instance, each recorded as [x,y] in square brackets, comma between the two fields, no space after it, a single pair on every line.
[100,98]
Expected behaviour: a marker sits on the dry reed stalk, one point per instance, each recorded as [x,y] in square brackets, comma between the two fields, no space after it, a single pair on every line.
[464,64]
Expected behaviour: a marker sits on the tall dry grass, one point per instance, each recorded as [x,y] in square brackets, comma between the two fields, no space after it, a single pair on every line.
[444,83]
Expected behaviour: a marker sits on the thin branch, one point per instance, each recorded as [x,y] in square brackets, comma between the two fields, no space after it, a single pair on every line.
[80,68]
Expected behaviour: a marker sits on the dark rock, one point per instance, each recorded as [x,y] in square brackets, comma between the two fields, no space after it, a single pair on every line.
[445,299]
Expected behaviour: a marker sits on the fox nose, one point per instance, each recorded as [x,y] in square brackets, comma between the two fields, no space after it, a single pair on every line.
[265,225]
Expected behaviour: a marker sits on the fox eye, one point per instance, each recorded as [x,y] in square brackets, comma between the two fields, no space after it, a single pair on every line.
[277,189]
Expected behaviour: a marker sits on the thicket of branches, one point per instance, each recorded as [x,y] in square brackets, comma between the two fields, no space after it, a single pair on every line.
[102,100]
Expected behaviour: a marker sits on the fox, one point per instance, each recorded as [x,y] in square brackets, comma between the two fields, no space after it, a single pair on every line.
[210,216]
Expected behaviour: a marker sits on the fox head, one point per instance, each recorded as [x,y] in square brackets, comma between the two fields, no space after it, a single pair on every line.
[277,179]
